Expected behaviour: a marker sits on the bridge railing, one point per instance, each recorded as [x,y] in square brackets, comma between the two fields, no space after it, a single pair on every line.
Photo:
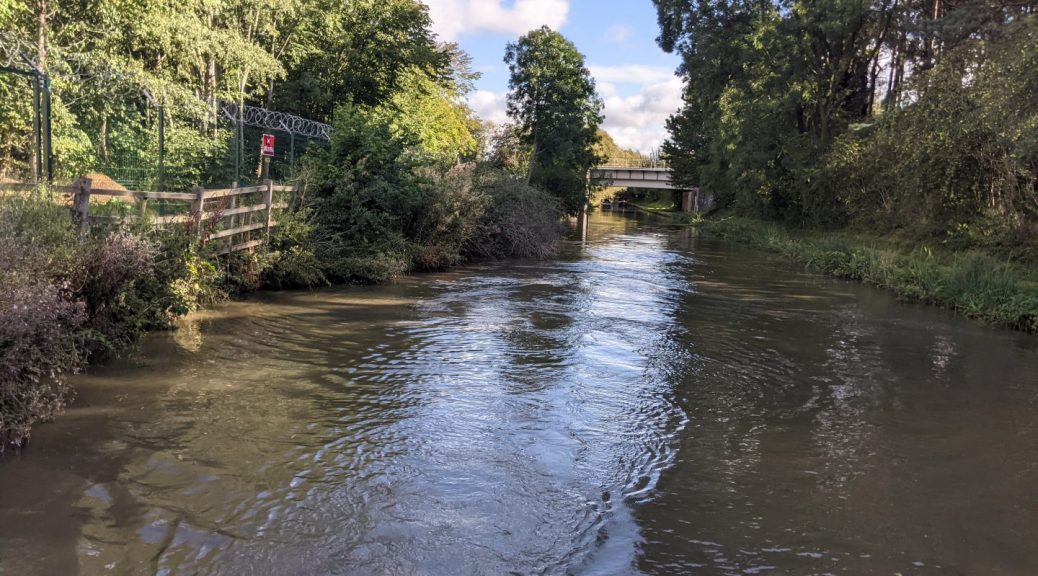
[634,163]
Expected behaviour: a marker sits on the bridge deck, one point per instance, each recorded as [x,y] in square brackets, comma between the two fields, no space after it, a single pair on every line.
[658,178]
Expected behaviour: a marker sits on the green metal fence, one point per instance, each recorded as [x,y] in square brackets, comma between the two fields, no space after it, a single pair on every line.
[16,61]
[123,134]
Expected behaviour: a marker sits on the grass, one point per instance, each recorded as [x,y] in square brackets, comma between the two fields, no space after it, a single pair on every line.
[973,283]
[655,205]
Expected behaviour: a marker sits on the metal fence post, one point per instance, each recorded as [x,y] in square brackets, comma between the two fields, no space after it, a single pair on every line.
[162,148]
[37,127]
[47,150]
[292,153]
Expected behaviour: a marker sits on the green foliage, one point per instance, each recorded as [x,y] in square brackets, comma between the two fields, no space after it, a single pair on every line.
[554,104]
[362,51]
[453,213]
[653,200]
[960,163]
[365,198]
[608,150]
[379,211]
[432,116]
[913,116]
[508,152]
[113,208]
[292,260]
[113,63]
[185,278]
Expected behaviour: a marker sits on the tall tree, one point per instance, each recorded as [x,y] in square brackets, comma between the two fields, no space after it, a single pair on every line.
[362,51]
[553,101]
[431,111]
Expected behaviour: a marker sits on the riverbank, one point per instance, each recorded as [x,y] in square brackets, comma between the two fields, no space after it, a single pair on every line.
[67,298]
[974,283]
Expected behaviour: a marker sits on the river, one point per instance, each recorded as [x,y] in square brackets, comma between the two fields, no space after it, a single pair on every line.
[654,402]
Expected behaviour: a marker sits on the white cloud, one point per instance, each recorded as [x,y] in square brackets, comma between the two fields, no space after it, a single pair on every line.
[632,74]
[618,34]
[452,18]
[490,106]
[638,121]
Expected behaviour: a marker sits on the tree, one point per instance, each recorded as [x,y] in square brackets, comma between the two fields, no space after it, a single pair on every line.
[553,101]
[361,51]
[904,113]
[507,151]
[609,151]
[432,113]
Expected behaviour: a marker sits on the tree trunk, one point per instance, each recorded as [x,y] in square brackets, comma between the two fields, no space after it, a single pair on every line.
[41,34]
[214,111]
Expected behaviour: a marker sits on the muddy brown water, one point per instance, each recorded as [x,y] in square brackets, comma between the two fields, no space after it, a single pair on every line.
[656,402]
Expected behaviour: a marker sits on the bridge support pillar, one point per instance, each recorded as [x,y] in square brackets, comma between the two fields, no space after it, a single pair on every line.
[693,201]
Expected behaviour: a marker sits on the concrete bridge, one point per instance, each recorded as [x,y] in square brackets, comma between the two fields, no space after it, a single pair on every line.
[621,177]
[655,176]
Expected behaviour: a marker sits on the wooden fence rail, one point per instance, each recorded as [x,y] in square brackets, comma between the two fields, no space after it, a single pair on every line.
[229,215]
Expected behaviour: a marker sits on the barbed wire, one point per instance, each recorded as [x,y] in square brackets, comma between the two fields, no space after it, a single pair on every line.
[18,54]
[274,120]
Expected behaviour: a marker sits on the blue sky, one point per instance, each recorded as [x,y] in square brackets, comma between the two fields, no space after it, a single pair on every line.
[634,77]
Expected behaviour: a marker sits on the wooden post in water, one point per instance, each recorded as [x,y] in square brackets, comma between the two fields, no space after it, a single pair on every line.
[81,205]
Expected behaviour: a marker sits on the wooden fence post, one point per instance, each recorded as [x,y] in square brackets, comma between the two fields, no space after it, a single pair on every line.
[81,205]
[234,204]
[197,208]
[268,199]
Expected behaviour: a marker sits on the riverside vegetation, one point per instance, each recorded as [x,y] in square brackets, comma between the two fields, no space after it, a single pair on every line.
[410,181]
[890,141]
[974,283]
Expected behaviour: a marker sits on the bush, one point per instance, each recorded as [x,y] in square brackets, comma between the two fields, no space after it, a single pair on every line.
[39,343]
[454,211]
[40,319]
[63,298]
[185,280]
[520,222]
[106,284]
[365,197]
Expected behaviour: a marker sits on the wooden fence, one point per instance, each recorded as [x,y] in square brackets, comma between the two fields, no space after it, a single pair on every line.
[232,216]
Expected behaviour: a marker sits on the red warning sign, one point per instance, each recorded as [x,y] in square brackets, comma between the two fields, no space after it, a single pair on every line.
[267,149]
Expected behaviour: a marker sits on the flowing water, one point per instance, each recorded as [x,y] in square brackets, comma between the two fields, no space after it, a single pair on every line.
[655,402]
